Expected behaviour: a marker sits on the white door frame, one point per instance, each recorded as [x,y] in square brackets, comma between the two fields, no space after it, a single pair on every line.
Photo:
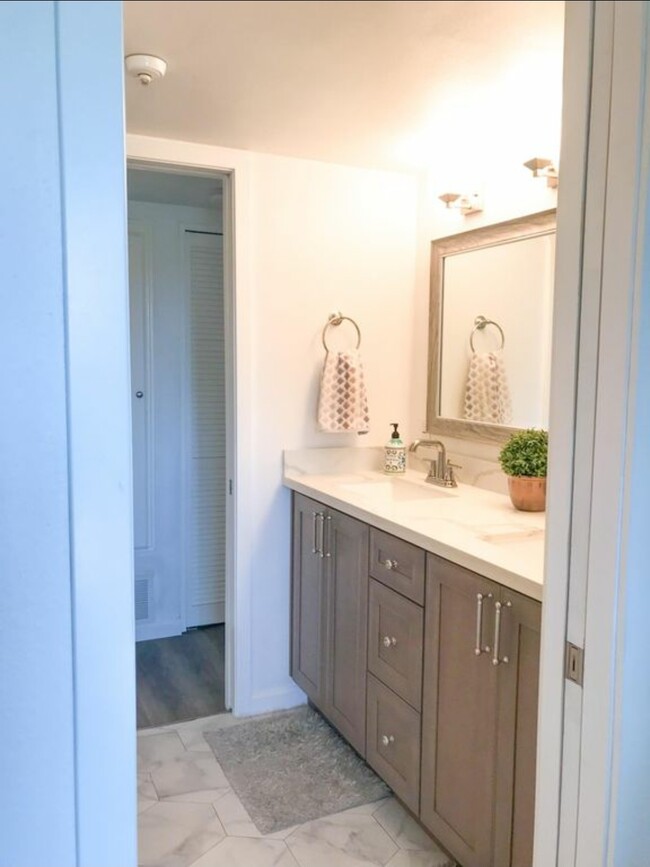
[603,198]
[165,154]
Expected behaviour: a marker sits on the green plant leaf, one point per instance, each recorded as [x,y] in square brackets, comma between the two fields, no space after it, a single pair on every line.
[525,454]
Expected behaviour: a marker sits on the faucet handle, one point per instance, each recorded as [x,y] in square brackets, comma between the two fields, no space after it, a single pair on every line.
[450,478]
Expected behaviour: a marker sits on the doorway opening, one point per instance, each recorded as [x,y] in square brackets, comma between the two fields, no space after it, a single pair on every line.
[181,427]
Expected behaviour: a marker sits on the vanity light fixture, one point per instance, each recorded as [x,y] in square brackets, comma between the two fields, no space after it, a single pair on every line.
[467,203]
[543,168]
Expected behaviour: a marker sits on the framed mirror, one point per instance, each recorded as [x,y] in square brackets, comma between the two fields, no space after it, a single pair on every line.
[490,329]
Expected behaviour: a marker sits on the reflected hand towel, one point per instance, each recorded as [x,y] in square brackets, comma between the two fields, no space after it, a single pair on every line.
[343,403]
[487,393]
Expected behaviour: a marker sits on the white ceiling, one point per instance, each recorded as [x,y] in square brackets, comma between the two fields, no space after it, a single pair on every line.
[394,84]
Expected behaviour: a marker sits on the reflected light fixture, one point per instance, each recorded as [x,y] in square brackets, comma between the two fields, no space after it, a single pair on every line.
[466,203]
[543,168]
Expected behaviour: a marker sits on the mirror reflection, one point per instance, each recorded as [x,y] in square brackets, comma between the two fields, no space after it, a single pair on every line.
[491,319]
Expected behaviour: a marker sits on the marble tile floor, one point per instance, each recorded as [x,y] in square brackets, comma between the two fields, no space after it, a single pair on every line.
[188,816]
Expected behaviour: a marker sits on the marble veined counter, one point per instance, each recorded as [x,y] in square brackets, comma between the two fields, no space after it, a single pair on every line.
[471,526]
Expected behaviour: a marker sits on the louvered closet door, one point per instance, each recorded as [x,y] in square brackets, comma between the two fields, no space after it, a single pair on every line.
[206,429]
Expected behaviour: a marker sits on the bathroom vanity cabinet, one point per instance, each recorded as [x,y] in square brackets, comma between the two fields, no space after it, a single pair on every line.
[330,615]
[429,670]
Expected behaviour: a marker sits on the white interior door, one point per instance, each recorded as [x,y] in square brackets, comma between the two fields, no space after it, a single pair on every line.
[141,395]
[206,425]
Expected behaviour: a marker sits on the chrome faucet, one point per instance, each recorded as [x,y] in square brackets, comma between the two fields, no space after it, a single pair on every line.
[441,472]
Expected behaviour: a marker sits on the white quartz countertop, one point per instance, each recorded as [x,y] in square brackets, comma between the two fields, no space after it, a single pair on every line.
[476,528]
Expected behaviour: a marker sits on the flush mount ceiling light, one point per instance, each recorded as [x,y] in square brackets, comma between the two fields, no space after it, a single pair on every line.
[543,168]
[467,203]
[145,67]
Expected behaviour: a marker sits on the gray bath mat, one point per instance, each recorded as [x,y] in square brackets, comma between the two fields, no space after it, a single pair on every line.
[291,768]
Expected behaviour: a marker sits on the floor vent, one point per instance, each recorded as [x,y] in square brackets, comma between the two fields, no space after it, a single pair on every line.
[142,597]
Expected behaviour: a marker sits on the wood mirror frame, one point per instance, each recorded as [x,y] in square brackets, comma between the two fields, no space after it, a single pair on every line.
[542,223]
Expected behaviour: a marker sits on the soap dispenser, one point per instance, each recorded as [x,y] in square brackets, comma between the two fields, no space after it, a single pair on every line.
[395,453]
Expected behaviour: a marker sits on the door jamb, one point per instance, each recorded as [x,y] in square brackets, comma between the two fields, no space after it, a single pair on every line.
[144,153]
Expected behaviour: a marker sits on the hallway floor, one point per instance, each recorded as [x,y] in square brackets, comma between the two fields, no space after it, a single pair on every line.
[180,678]
[190,817]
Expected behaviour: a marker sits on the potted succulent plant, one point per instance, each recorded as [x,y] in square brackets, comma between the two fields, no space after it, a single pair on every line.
[524,460]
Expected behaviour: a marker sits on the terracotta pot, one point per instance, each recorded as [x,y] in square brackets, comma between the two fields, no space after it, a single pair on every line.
[528,494]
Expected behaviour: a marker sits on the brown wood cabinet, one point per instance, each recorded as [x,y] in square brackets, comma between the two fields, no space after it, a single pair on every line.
[330,614]
[438,689]
[481,660]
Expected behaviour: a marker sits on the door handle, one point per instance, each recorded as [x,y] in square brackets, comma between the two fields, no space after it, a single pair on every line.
[320,517]
[478,649]
[314,533]
[498,610]
[327,521]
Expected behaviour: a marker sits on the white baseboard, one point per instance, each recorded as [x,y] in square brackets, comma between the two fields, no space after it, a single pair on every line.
[268,700]
[149,631]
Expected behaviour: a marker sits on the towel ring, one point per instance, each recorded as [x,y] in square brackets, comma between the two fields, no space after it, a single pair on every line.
[479,324]
[335,320]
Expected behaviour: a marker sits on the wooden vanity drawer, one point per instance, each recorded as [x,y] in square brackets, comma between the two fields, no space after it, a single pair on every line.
[395,627]
[397,564]
[393,742]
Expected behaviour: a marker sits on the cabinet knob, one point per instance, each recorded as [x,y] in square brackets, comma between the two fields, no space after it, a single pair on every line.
[387,740]
[139,394]
[389,641]
[391,564]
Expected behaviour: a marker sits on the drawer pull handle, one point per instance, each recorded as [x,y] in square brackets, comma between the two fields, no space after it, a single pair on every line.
[387,740]
[478,650]
[389,641]
[498,607]
[391,564]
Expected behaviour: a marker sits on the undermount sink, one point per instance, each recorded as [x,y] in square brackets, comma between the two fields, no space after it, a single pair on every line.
[394,491]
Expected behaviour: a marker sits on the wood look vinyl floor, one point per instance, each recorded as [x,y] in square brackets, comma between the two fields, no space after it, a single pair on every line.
[180,678]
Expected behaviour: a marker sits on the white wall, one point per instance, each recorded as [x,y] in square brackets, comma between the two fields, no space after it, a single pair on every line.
[325,238]
[310,238]
[67,751]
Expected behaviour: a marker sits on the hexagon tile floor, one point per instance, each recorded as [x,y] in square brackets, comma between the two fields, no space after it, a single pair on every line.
[190,817]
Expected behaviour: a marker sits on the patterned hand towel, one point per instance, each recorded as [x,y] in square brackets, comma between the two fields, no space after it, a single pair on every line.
[343,404]
[487,394]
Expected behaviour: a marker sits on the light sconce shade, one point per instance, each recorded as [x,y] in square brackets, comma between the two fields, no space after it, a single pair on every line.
[467,203]
[543,168]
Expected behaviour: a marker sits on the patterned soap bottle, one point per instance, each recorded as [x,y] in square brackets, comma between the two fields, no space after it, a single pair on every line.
[394,453]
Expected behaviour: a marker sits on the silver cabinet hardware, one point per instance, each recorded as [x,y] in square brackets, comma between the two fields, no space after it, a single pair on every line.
[314,533]
[389,641]
[328,547]
[391,564]
[139,394]
[317,533]
[498,608]
[478,650]
[387,740]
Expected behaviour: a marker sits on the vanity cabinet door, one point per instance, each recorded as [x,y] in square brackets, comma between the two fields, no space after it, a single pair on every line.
[346,564]
[308,598]
[459,716]
[517,729]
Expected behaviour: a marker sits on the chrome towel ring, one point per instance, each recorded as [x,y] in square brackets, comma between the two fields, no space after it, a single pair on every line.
[334,320]
[479,324]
